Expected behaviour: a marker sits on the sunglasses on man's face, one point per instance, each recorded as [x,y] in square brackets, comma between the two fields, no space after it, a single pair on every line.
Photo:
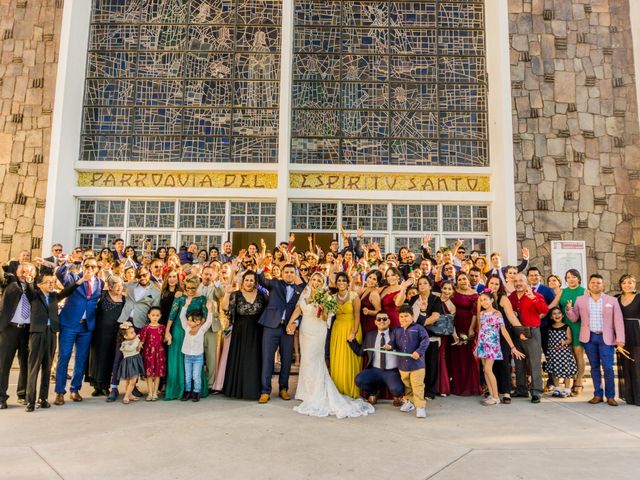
[382,319]
[57,249]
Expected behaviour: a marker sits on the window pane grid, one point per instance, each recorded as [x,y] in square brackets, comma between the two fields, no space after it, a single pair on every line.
[367,216]
[182,80]
[202,214]
[415,218]
[252,216]
[465,218]
[101,213]
[314,216]
[375,82]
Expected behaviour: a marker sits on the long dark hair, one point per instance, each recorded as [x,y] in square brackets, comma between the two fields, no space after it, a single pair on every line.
[501,289]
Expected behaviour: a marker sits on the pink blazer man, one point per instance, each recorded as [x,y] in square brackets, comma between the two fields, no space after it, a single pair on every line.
[612,322]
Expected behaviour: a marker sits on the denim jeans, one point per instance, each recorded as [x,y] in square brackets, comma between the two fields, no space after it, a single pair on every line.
[601,354]
[193,372]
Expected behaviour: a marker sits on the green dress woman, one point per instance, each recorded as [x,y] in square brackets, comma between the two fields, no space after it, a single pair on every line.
[175,358]
[570,294]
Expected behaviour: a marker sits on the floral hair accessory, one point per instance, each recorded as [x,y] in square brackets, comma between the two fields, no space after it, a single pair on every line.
[126,325]
[487,290]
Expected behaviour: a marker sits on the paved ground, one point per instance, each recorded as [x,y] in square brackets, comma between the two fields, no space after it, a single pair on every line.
[229,439]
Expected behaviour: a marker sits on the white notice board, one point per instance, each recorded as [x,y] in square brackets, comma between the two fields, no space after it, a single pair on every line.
[569,254]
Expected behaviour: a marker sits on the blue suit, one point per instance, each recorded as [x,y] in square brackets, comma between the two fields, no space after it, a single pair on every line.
[77,321]
[274,319]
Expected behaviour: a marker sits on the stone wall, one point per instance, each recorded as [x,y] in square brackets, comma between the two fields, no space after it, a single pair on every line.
[575,124]
[29,38]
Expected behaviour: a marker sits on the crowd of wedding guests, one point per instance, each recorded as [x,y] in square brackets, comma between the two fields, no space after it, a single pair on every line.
[182,324]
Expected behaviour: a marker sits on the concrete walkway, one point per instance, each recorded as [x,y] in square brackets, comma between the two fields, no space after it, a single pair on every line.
[230,439]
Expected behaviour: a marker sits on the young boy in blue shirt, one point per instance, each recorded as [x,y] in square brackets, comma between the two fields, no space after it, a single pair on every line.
[413,339]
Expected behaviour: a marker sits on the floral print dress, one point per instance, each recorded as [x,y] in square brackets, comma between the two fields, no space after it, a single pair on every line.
[489,336]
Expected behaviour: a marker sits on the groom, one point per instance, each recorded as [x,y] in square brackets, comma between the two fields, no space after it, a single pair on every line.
[283,298]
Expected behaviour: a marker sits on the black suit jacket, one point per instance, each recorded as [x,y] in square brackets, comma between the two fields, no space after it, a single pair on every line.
[10,302]
[369,341]
[41,313]
[272,315]
[45,269]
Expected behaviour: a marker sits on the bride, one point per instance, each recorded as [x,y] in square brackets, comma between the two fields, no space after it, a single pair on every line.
[319,395]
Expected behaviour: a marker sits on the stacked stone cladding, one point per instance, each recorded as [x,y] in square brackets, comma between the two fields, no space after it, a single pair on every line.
[575,125]
[29,39]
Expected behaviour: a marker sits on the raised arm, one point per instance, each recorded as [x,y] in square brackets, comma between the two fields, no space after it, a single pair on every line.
[525,260]
[65,275]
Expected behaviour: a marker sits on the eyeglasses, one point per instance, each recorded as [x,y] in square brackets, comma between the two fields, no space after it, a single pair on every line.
[57,249]
[304,269]
[382,319]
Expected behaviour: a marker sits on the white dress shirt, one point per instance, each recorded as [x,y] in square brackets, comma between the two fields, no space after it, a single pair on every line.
[391,361]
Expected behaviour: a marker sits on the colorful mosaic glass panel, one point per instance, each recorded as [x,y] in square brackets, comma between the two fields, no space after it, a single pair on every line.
[389,82]
[183,81]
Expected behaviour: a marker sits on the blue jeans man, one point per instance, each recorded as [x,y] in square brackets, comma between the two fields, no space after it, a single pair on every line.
[601,355]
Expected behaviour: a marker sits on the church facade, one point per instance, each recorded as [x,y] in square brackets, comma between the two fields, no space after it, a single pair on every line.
[503,123]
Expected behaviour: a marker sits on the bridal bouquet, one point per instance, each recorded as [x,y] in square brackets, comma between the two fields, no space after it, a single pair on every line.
[325,301]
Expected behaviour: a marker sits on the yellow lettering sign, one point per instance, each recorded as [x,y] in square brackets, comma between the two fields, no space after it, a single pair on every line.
[392,182]
[252,180]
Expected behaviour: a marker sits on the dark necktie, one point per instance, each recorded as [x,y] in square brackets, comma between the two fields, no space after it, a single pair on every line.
[25,308]
[383,359]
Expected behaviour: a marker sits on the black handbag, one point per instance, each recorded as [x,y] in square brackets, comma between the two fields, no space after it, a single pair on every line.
[526,331]
[443,326]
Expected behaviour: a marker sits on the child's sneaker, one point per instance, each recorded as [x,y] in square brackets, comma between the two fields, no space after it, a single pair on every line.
[556,393]
[421,413]
[566,393]
[407,407]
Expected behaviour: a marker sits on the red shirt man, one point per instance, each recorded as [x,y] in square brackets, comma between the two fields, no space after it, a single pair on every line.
[529,305]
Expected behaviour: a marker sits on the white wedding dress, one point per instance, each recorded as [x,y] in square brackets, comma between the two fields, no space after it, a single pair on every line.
[319,395]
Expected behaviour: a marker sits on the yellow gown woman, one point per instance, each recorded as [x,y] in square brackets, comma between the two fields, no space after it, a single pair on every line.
[344,365]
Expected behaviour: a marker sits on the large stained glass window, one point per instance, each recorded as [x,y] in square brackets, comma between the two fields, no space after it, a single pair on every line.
[387,82]
[182,80]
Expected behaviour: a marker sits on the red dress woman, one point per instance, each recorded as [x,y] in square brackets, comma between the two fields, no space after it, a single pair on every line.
[465,372]
[393,295]
[370,303]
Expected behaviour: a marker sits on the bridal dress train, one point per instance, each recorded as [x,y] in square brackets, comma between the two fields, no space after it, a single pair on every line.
[319,395]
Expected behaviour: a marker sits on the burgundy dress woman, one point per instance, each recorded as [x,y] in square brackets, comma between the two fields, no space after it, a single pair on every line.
[391,309]
[465,373]
[368,322]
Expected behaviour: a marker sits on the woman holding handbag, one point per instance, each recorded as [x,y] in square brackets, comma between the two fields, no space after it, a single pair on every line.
[427,312]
